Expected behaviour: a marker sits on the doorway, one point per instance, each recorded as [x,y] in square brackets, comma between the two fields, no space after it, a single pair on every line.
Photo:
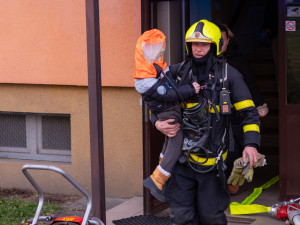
[245,19]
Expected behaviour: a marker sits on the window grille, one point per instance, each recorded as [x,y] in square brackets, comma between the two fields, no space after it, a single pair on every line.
[12,131]
[35,136]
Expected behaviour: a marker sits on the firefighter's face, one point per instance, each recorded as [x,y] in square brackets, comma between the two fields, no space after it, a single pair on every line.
[200,49]
[225,42]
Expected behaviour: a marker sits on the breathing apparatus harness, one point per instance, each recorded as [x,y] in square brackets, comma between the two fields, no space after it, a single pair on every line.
[197,126]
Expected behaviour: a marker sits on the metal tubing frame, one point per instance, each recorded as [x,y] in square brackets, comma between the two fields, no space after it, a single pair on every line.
[41,194]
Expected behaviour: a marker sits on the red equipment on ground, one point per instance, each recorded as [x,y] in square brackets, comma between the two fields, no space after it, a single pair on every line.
[287,211]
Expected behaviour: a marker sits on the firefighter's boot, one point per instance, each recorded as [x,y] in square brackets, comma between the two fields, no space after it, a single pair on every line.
[155,183]
[233,189]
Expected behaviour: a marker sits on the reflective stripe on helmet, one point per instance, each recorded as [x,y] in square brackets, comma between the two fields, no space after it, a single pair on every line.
[210,161]
[243,104]
[197,35]
[251,127]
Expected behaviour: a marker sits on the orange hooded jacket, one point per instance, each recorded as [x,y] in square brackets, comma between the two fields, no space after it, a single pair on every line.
[149,49]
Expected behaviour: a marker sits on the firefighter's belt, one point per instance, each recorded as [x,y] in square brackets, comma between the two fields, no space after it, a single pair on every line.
[210,161]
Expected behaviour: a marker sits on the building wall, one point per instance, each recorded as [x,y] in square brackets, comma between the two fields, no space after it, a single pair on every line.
[44,42]
[43,69]
[122,137]
[123,142]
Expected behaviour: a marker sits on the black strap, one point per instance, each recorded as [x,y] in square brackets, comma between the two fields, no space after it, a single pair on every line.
[160,71]
[185,69]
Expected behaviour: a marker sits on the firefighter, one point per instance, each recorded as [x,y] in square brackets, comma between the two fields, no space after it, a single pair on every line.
[197,190]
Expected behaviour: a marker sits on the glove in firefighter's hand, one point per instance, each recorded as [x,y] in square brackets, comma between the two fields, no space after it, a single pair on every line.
[236,177]
[247,172]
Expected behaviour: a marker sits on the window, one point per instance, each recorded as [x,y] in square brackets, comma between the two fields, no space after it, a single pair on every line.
[35,136]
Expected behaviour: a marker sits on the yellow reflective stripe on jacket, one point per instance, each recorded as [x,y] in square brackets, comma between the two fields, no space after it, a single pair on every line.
[212,110]
[191,105]
[210,161]
[251,127]
[244,104]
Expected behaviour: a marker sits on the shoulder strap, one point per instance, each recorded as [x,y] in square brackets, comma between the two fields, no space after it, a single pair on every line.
[183,69]
[224,79]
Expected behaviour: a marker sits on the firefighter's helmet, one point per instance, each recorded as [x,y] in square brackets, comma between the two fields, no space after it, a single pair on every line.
[204,31]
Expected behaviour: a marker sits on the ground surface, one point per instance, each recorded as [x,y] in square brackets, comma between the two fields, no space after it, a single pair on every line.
[59,199]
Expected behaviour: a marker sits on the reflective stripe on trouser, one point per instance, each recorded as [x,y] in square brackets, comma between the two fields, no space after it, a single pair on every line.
[185,186]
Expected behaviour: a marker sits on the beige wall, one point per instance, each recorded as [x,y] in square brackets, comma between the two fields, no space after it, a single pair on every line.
[44,42]
[122,137]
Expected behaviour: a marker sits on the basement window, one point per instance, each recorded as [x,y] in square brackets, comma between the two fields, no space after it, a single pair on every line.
[44,137]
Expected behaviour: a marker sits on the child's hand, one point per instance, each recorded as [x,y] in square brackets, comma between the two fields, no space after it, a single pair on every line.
[196,86]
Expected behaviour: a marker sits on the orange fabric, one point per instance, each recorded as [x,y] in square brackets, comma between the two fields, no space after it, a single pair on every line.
[149,49]
[159,178]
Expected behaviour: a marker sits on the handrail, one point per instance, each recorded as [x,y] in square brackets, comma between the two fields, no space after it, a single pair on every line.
[41,194]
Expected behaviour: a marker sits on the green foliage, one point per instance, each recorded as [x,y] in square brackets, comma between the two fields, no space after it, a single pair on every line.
[14,210]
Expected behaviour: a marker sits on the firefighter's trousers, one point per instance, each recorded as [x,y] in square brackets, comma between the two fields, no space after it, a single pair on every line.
[196,198]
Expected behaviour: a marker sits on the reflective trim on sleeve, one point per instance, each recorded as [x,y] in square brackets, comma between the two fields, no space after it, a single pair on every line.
[243,104]
[251,127]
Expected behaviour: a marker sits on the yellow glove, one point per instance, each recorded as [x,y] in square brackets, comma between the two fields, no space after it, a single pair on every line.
[236,177]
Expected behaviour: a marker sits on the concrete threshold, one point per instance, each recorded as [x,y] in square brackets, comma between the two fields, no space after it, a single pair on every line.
[129,208]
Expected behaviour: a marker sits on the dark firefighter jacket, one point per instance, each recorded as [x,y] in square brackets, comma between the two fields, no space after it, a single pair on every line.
[239,62]
[240,96]
[162,94]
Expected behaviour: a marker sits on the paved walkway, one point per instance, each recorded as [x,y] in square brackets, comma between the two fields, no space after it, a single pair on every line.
[124,208]
[270,196]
